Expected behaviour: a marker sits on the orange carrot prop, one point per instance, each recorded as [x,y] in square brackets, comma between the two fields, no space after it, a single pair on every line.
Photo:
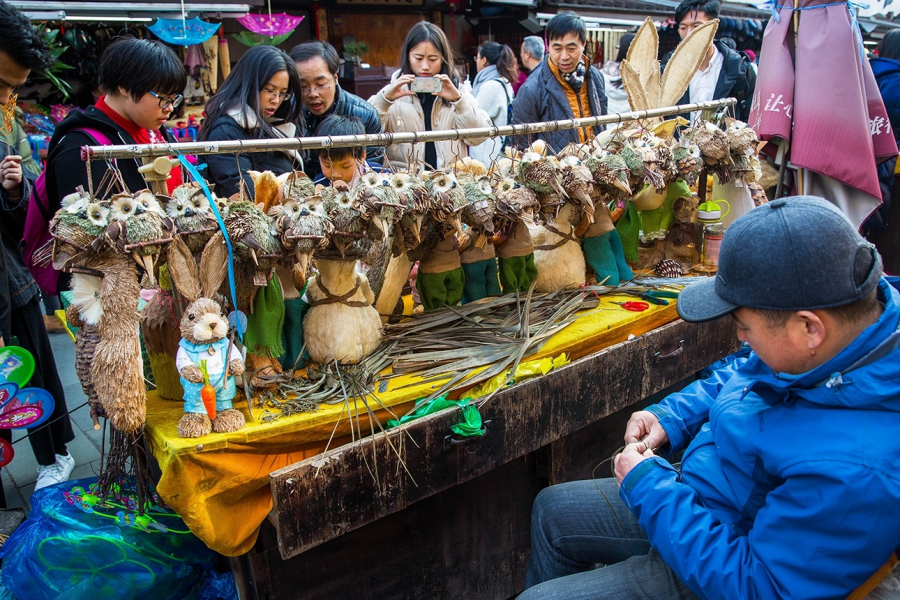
[208,392]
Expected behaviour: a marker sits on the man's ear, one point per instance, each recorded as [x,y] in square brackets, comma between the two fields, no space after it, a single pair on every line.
[815,329]
[363,157]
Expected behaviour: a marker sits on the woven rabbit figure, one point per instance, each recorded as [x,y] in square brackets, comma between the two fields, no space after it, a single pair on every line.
[648,89]
[641,77]
[206,357]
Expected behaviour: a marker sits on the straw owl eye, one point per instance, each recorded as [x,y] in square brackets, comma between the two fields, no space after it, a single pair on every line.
[506,185]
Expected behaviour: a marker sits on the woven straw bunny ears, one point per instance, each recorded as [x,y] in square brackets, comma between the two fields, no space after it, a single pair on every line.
[648,88]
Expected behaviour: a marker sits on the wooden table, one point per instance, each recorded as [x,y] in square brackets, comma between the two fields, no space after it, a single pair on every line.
[462,529]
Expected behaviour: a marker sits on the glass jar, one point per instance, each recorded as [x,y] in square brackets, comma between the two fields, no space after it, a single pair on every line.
[711,243]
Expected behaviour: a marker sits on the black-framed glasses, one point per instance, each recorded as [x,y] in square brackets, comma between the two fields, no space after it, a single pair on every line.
[318,89]
[164,103]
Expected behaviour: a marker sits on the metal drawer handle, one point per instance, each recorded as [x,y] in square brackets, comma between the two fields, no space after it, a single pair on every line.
[676,352]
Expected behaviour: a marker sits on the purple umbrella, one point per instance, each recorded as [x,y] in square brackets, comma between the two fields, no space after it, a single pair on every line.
[817,97]
[269,24]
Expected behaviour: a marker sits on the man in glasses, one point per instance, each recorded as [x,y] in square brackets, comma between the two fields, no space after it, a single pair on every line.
[318,62]
[134,109]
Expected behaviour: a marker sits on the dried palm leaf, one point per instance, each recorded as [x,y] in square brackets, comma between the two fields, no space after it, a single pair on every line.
[685,61]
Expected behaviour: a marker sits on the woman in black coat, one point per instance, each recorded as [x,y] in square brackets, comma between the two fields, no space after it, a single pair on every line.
[260,99]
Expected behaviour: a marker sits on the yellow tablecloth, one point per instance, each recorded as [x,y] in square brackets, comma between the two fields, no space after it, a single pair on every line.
[219,483]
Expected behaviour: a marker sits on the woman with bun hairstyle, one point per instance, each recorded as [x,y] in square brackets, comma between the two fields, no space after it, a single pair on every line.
[260,99]
[492,88]
[427,53]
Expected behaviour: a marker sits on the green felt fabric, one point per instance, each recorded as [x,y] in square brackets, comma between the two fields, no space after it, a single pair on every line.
[605,256]
[517,273]
[264,324]
[660,219]
[437,290]
[481,280]
[629,227]
[292,334]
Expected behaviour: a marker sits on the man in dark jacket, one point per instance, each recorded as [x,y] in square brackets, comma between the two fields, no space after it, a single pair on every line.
[565,86]
[21,319]
[724,73]
[317,63]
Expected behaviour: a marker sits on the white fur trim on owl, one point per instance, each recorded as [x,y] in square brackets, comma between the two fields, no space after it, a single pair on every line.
[86,296]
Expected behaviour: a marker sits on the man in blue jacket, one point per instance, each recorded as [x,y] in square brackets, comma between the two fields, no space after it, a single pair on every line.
[790,479]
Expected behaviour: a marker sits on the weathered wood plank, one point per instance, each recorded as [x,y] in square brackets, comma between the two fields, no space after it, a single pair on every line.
[471,541]
[324,497]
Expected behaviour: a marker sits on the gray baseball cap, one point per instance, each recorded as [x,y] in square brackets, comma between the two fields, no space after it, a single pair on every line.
[796,253]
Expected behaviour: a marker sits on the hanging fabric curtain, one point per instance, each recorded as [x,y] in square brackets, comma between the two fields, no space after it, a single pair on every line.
[183,32]
[834,135]
[254,39]
[269,24]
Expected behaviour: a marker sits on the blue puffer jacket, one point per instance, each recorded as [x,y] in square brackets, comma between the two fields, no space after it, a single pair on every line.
[790,485]
[887,74]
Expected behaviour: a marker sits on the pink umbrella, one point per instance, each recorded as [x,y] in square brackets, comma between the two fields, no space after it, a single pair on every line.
[269,24]
[817,96]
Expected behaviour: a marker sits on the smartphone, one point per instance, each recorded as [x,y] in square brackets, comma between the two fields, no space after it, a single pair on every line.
[422,85]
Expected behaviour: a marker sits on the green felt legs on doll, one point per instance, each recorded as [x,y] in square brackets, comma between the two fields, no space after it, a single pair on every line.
[264,324]
[440,289]
[604,254]
[481,280]
[517,273]
[292,334]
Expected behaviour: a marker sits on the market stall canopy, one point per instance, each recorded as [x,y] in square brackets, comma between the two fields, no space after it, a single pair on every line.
[183,32]
[637,10]
[869,8]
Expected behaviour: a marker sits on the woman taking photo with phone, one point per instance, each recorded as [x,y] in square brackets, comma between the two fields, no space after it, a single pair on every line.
[410,103]
[259,99]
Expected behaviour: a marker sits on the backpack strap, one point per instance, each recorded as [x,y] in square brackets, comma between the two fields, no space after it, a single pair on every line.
[503,83]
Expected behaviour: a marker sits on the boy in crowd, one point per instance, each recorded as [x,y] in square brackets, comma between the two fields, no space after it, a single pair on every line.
[345,164]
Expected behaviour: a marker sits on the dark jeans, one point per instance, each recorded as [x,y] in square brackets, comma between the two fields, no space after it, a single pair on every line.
[587,544]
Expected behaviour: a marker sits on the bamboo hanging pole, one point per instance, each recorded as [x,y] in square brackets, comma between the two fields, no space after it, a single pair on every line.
[90,153]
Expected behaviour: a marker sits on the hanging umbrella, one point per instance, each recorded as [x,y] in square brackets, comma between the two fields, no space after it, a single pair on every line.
[816,96]
[183,32]
[269,24]
[254,39]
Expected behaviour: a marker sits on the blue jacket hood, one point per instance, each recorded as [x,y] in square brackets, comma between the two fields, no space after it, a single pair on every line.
[881,65]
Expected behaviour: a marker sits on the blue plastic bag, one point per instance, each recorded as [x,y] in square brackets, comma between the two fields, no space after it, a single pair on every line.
[72,547]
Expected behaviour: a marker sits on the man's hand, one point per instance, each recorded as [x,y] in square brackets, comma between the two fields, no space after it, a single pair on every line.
[629,459]
[11,173]
[2,343]
[643,426]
